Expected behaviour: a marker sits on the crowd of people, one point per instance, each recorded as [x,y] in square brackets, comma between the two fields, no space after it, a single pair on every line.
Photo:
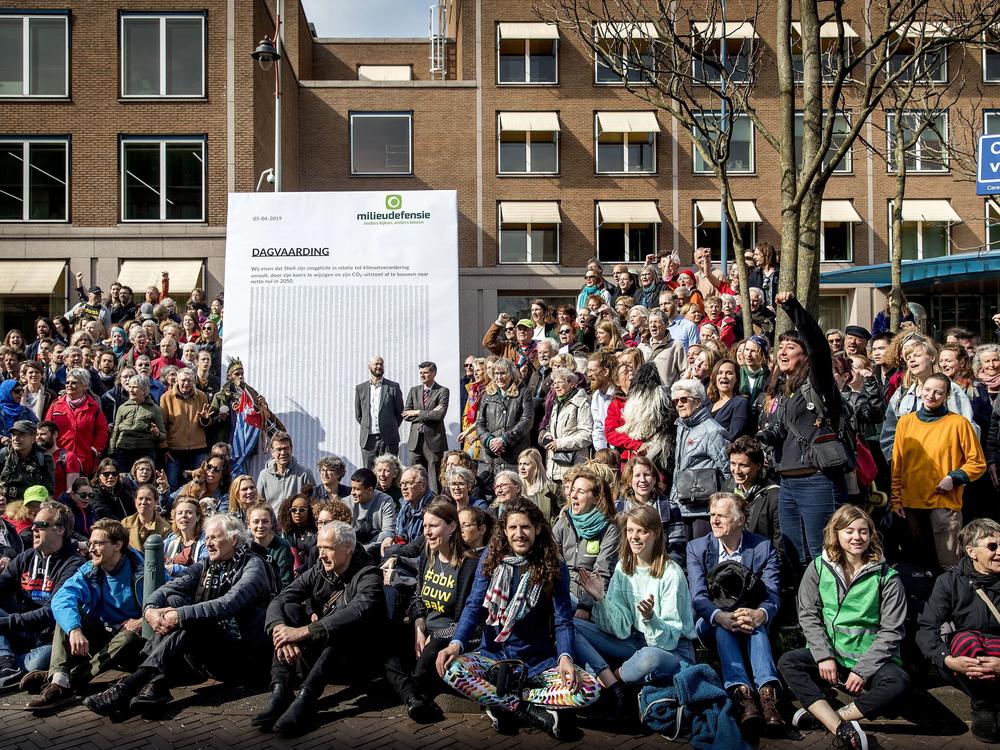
[639,483]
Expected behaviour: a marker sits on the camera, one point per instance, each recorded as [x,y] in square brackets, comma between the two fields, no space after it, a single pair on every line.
[773,434]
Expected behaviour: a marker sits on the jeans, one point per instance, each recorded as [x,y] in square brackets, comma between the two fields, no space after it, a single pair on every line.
[640,664]
[29,659]
[731,647]
[805,504]
[177,462]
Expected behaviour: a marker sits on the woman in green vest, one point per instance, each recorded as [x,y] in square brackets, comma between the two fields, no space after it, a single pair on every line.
[852,609]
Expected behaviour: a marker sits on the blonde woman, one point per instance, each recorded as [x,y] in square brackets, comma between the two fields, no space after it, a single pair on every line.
[537,486]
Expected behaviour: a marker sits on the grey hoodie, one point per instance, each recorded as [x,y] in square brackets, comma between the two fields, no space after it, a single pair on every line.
[273,489]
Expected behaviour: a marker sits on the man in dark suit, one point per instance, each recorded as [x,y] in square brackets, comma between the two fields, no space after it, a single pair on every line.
[426,407]
[745,629]
[378,408]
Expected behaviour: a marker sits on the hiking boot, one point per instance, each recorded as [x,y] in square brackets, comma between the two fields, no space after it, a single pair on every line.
[33,682]
[850,736]
[541,718]
[984,723]
[298,716]
[110,702]
[769,707]
[503,721]
[746,705]
[281,698]
[422,711]
[52,696]
[10,672]
[152,699]
[805,721]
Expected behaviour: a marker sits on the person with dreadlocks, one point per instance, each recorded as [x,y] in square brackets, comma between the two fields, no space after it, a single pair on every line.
[518,672]
[639,417]
[247,414]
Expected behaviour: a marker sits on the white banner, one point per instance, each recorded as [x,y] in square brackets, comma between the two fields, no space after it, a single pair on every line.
[318,283]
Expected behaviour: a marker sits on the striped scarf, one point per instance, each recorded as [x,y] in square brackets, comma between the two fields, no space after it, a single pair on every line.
[504,610]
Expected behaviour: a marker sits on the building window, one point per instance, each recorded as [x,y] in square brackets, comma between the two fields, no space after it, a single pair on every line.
[163,56]
[34,179]
[625,243]
[529,243]
[527,60]
[930,65]
[992,225]
[626,142]
[528,143]
[709,234]
[923,239]
[841,129]
[836,242]
[624,53]
[833,311]
[991,57]
[381,143]
[740,159]
[991,122]
[163,179]
[708,45]
[928,153]
[829,33]
[33,55]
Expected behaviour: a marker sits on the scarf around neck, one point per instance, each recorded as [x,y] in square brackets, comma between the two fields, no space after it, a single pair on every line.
[992,383]
[220,576]
[589,525]
[503,607]
[932,415]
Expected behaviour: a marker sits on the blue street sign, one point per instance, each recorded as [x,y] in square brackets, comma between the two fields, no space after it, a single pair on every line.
[988,165]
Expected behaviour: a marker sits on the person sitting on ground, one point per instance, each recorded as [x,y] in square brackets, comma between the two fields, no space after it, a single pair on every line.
[538,487]
[185,545]
[639,486]
[79,499]
[739,628]
[410,519]
[462,488]
[852,609]
[477,528]
[521,587]
[298,527]
[344,594]
[373,512]
[751,482]
[209,620]
[27,585]
[387,472]
[959,631]
[331,470]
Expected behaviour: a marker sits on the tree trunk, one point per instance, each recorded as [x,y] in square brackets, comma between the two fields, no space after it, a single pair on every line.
[787,281]
[896,251]
[807,271]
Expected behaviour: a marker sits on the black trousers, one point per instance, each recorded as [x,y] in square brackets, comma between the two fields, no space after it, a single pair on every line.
[409,675]
[801,674]
[205,649]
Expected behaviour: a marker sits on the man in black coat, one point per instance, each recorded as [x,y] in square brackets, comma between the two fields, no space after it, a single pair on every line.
[344,592]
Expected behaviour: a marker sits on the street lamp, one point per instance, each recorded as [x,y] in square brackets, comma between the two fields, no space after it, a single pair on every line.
[267,53]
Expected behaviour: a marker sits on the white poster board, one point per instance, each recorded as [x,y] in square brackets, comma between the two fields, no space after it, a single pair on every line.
[318,283]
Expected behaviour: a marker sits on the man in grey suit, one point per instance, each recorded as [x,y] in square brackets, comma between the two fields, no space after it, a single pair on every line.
[426,407]
[378,408]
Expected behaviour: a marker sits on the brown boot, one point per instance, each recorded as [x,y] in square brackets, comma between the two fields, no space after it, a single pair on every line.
[52,696]
[746,705]
[769,707]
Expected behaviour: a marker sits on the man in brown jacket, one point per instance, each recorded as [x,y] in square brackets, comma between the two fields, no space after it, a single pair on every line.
[185,415]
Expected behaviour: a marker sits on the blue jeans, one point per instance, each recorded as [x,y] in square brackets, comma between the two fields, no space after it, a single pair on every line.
[640,664]
[805,504]
[731,648]
[36,657]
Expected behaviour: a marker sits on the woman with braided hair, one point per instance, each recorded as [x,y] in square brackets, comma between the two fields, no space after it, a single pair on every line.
[246,413]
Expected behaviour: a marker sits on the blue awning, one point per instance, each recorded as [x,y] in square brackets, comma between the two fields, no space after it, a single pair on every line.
[952,268]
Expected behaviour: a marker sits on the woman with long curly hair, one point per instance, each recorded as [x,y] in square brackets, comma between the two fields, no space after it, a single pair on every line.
[298,527]
[521,587]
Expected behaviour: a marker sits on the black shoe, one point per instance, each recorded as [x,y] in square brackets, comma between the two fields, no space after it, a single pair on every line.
[298,715]
[502,721]
[850,736]
[10,672]
[984,723]
[422,711]
[111,702]
[541,718]
[281,698]
[152,699]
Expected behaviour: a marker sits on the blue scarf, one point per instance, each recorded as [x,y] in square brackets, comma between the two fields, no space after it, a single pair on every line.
[589,525]
[12,410]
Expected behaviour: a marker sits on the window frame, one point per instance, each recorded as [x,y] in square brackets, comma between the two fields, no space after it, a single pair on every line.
[408,114]
[920,237]
[26,142]
[162,141]
[985,52]
[850,242]
[527,62]
[913,74]
[695,155]
[126,15]
[995,226]
[848,158]
[989,114]
[25,16]
[626,172]
[620,81]
[527,155]
[527,229]
[625,231]
[698,66]
[716,250]
[945,163]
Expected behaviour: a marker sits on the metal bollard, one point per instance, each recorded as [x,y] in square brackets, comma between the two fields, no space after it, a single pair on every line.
[154,574]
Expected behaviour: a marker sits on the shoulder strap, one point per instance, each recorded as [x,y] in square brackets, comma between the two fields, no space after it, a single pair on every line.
[989,604]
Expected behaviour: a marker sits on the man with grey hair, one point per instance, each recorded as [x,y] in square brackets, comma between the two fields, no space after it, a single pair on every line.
[680,328]
[665,352]
[416,496]
[761,316]
[344,594]
[209,620]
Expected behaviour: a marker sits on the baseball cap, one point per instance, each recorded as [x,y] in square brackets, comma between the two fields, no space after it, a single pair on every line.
[24,425]
[36,493]
[526,323]
[146,310]
[95,289]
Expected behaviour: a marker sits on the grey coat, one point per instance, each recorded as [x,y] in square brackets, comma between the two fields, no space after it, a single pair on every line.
[506,417]
[374,521]
[571,426]
[700,444]
[579,553]
[273,489]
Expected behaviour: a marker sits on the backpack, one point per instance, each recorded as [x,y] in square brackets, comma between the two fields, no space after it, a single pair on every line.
[863,469]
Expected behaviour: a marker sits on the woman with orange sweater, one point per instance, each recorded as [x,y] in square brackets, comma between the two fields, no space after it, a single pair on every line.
[935,454]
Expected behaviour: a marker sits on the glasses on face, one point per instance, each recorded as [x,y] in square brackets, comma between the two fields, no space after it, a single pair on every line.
[321,524]
[468,365]
[408,484]
[109,473]
[509,328]
[565,331]
[297,509]
[590,278]
[681,400]
[42,525]
[281,449]
[505,486]
[72,383]
[85,495]
[991,546]
[213,468]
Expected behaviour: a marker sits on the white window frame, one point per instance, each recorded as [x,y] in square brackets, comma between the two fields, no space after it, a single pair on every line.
[127,16]
[942,166]
[527,229]
[620,80]
[26,19]
[850,243]
[699,75]
[527,154]
[367,114]
[991,114]
[25,177]
[914,74]
[992,227]
[920,237]
[625,228]
[715,250]
[527,63]
[162,141]
[985,52]
[625,144]
[848,159]
[696,156]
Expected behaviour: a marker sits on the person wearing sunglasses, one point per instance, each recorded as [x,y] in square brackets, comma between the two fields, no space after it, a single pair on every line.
[26,588]
[298,527]
[79,499]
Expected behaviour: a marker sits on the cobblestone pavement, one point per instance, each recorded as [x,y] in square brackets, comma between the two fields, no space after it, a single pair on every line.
[213,716]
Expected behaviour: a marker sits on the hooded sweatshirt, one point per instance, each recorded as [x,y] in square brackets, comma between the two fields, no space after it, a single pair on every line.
[29,582]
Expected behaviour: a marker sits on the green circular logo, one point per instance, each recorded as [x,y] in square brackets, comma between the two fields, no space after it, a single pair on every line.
[393,201]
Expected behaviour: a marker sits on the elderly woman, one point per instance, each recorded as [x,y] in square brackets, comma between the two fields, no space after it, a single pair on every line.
[959,632]
[638,326]
[387,470]
[504,420]
[986,368]
[83,429]
[508,488]
[331,470]
[648,294]
[700,463]
[461,485]
[569,434]
[852,609]
[139,428]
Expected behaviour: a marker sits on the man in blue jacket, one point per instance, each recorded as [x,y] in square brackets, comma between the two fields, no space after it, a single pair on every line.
[744,630]
[97,616]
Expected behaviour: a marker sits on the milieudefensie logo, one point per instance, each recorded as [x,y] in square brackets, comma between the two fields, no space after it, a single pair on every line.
[394,213]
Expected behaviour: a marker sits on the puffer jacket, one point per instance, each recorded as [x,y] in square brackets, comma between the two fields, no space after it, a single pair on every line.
[571,426]
[29,582]
[133,426]
[113,598]
[597,556]
[700,444]
[508,417]
[185,429]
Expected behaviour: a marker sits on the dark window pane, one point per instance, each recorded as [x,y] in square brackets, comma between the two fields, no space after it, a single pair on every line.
[543,246]
[611,241]
[641,241]
[640,153]
[513,155]
[992,66]
[514,244]
[542,60]
[184,181]
[184,56]
[543,155]
[512,68]
[836,241]
[47,181]
[11,56]
[381,145]
[610,153]
[47,54]
[11,182]
[142,56]
[142,181]
[909,241]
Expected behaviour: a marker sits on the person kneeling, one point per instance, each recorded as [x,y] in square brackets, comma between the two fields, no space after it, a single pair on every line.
[191,618]
[852,609]
[344,593]
[521,586]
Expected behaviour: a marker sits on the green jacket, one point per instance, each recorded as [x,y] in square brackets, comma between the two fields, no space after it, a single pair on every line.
[133,426]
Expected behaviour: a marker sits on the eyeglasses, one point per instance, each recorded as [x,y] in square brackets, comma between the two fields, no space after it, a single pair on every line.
[295,509]
[565,330]
[470,525]
[213,469]
[408,484]
[85,495]
[590,278]
[505,486]
[468,366]
[109,473]
[281,449]
[509,328]
[42,525]
[72,383]
[681,400]
[92,543]
[991,546]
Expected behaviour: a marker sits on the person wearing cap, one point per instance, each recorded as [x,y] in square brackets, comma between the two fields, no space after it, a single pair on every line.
[89,307]
[519,350]
[146,311]
[856,340]
[22,512]
[23,463]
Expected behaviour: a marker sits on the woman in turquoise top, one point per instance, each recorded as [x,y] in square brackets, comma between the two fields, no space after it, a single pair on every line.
[644,622]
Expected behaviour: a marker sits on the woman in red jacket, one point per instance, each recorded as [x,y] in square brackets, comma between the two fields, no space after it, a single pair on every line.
[627,446]
[83,428]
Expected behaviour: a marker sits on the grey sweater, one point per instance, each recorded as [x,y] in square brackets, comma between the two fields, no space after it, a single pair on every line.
[274,488]
[374,521]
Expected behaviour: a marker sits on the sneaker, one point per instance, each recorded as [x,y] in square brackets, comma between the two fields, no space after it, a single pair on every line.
[33,682]
[805,721]
[544,719]
[110,702]
[10,672]
[502,721]
[52,696]
[850,736]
